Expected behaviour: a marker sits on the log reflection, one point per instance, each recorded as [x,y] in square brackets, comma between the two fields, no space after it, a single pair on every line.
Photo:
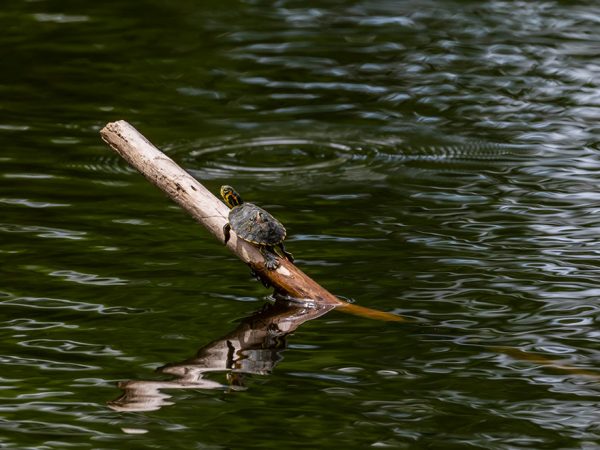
[254,347]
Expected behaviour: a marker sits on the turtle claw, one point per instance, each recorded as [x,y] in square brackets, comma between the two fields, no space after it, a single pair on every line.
[271,262]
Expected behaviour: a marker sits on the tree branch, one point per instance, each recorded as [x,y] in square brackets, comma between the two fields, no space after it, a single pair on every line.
[207,209]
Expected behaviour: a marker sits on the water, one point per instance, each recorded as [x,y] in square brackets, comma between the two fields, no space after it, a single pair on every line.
[436,160]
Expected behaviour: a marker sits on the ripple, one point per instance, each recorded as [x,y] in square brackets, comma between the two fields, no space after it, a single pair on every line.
[41,428]
[41,231]
[60,18]
[326,376]
[324,237]
[289,160]
[25,324]
[29,176]
[107,163]
[441,162]
[13,127]
[316,86]
[59,303]
[87,278]
[31,203]
[44,364]
[582,415]
[280,155]
[74,347]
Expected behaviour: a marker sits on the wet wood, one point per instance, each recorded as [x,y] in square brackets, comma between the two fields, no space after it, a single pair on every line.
[212,213]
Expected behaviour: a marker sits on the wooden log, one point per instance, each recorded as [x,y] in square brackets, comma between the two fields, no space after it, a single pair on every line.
[207,209]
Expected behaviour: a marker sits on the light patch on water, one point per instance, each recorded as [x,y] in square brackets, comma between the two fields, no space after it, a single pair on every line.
[134,430]
[41,231]
[343,391]
[87,278]
[239,298]
[66,140]
[71,347]
[29,176]
[44,364]
[132,221]
[325,237]
[25,324]
[59,303]
[31,203]
[199,92]
[12,127]
[60,18]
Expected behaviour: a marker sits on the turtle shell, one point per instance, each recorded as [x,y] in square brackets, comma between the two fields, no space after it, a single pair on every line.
[253,224]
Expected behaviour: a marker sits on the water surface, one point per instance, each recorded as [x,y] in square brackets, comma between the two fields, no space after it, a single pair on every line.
[437,160]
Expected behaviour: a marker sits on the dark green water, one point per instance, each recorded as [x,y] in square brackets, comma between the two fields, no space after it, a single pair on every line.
[435,159]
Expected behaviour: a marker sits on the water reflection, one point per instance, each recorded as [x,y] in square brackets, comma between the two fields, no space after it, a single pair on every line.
[254,347]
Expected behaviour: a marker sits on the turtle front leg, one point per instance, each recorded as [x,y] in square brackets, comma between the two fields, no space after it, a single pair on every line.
[287,254]
[271,262]
[226,234]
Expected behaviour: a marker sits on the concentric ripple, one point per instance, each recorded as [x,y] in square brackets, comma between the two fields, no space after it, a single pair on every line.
[272,157]
[288,159]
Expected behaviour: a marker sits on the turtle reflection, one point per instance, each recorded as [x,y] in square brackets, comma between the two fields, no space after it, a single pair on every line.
[254,347]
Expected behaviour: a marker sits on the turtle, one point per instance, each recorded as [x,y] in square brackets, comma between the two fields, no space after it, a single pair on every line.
[255,225]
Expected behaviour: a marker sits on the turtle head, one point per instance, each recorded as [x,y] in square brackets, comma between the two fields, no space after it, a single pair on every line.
[231,197]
